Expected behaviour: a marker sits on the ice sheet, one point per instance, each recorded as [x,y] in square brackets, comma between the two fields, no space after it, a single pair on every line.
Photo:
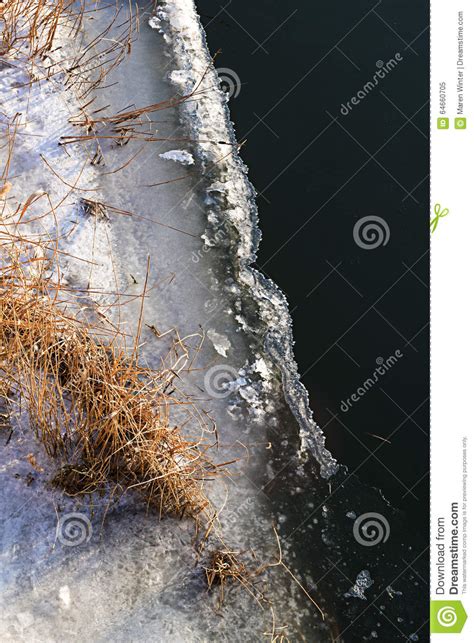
[128,577]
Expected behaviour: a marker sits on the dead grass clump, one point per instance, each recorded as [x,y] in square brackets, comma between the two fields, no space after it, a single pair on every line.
[95,209]
[225,566]
[89,402]
[112,423]
[75,480]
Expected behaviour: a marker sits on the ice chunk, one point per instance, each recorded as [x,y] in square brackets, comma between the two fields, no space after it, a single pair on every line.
[154,22]
[363,582]
[65,596]
[178,156]
[220,342]
[393,592]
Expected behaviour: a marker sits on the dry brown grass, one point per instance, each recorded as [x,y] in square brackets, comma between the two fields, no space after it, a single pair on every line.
[28,27]
[90,403]
[111,423]
[225,567]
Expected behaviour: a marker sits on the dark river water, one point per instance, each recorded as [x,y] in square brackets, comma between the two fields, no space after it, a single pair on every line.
[331,150]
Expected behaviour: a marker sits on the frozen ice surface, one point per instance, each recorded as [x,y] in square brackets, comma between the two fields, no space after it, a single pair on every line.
[76,572]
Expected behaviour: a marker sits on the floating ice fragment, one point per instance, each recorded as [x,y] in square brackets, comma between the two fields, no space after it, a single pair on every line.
[363,582]
[178,156]
[393,592]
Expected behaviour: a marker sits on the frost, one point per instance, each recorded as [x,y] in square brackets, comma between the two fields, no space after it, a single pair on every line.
[43,117]
[155,22]
[182,79]
[243,322]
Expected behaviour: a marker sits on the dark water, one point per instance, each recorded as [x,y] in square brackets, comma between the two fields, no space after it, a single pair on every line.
[297,63]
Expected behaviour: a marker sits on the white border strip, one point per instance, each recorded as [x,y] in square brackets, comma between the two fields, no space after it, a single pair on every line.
[452,342]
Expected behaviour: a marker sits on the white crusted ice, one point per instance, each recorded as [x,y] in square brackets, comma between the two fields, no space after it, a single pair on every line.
[232,212]
[178,156]
[135,578]
[220,342]
[42,170]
